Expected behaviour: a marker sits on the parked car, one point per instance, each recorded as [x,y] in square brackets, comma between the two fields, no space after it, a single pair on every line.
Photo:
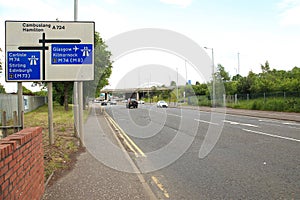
[162,104]
[131,103]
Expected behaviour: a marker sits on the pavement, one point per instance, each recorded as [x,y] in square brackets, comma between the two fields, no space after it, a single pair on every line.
[91,179]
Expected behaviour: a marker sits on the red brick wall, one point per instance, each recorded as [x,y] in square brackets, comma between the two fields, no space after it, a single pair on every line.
[22,165]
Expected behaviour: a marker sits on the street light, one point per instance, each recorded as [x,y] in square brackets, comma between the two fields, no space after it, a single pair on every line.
[213,76]
[177,88]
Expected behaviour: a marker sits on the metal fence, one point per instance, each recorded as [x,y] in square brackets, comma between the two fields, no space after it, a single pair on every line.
[205,100]
[270,95]
[9,103]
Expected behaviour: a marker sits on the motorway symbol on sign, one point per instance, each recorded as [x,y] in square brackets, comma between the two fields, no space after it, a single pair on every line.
[70,54]
[23,65]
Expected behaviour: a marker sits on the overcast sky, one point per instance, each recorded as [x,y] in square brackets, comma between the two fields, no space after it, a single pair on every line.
[259,30]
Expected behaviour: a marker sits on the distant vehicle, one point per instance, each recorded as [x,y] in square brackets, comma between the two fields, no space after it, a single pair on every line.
[124,101]
[141,102]
[131,103]
[97,101]
[103,103]
[162,104]
[113,102]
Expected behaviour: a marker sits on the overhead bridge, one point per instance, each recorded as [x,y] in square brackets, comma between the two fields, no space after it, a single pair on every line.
[136,93]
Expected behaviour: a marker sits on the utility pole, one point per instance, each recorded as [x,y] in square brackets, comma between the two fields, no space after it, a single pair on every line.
[177,88]
[78,95]
[238,55]
[213,77]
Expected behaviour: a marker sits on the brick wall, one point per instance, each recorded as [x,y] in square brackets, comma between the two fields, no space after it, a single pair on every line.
[22,165]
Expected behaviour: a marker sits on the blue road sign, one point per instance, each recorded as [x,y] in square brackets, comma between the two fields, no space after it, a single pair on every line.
[71,54]
[23,65]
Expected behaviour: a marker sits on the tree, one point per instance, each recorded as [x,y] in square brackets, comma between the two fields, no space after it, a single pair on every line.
[103,69]
[2,89]
[26,91]
[62,93]
[173,84]
[222,74]
[200,89]
[265,68]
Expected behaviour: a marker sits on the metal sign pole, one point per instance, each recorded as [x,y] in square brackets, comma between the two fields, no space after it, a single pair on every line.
[80,108]
[78,95]
[50,113]
[20,105]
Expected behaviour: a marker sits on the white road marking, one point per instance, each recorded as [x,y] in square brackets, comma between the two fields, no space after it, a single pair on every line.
[271,135]
[291,123]
[199,120]
[174,115]
[242,124]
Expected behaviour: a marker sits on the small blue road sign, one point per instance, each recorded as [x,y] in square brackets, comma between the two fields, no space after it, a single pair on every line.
[23,65]
[71,54]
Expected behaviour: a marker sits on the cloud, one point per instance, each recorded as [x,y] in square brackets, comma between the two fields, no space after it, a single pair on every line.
[181,3]
[290,12]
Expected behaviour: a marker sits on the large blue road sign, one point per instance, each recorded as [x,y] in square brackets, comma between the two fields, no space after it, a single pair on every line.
[71,54]
[23,65]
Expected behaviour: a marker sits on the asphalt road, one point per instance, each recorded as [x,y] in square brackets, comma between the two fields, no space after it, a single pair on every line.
[202,155]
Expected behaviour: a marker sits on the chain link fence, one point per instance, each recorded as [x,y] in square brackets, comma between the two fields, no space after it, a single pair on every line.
[275,101]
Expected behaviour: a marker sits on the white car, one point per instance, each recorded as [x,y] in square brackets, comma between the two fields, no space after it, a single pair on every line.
[162,104]
[141,102]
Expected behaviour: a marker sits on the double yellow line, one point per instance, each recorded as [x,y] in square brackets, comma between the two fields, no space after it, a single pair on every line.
[137,152]
[127,140]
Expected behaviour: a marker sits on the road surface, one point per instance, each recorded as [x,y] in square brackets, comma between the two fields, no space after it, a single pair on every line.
[189,154]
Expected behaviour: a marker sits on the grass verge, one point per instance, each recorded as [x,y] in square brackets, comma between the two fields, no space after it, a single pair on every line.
[59,156]
[269,104]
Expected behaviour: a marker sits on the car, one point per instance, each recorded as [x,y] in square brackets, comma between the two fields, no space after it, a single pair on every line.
[162,104]
[103,103]
[132,103]
[141,102]
[113,102]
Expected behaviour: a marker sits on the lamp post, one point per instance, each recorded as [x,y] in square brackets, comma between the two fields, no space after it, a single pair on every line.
[177,88]
[213,77]
[238,56]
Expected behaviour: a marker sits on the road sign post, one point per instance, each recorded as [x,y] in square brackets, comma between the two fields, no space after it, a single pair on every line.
[50,51]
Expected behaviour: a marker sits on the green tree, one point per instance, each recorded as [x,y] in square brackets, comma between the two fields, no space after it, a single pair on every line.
[173,84]
[200,89]
[247,85]
[26,91]
[62,93]
[222,74]
[2,89]
[266,79]
[103,68]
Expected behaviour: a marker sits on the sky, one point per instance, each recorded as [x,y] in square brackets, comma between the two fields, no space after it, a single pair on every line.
[255,30]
